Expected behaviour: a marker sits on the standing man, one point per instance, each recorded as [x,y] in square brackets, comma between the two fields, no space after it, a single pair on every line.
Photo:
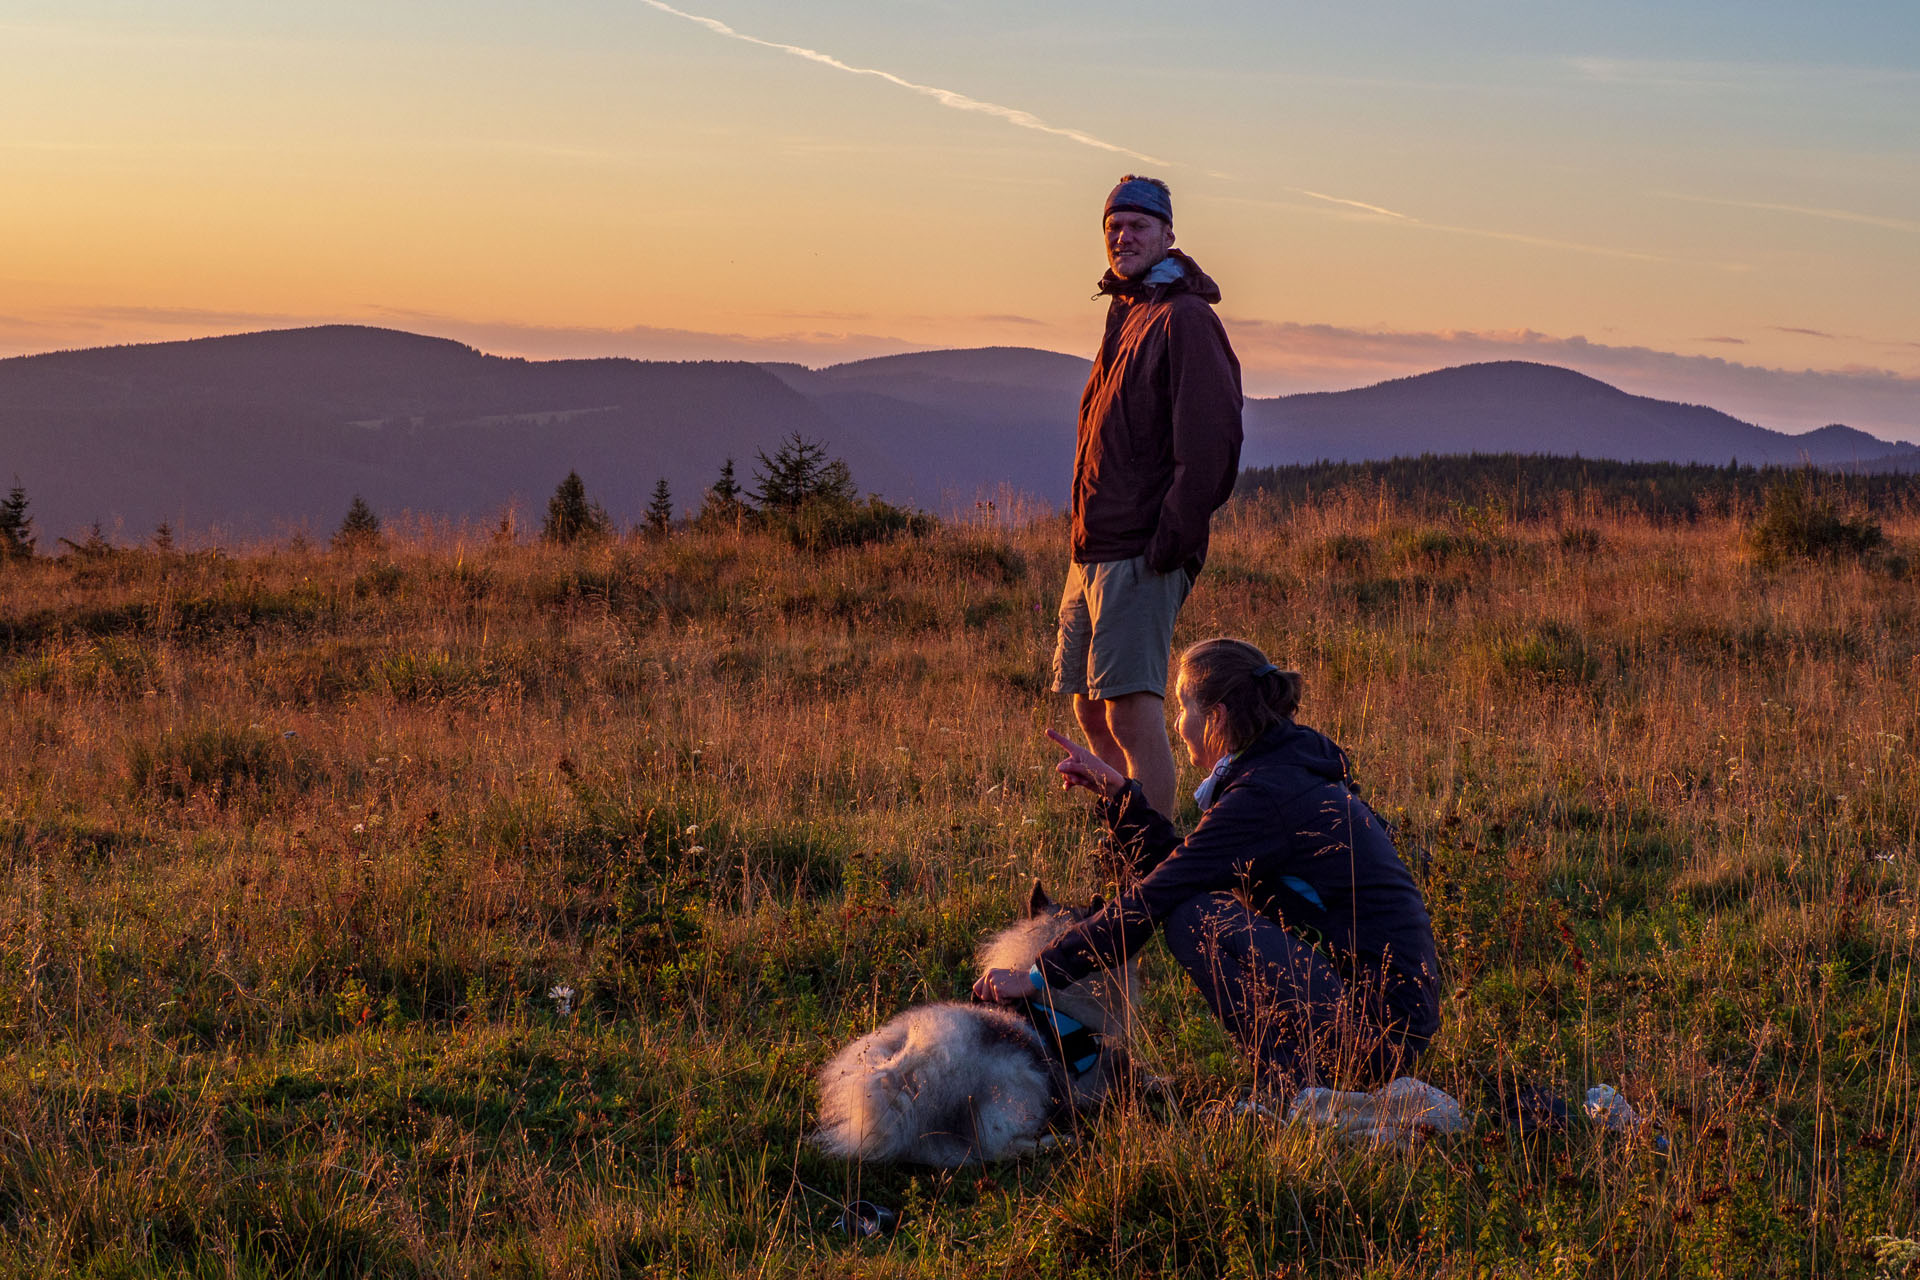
[1159,447]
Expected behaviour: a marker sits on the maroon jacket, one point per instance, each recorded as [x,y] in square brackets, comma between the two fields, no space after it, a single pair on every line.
[1159,439]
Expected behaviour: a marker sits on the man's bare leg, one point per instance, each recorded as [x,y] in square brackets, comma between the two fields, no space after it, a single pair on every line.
[1138,722]
[1130,733]
[1092,715]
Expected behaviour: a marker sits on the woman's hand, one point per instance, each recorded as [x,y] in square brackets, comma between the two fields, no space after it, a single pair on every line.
[1000,985]
[1082,768]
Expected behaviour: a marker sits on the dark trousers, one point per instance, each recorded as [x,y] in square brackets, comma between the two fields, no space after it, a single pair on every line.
[1302,1019]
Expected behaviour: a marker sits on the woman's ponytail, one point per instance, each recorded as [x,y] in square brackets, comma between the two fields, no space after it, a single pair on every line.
[1235,676]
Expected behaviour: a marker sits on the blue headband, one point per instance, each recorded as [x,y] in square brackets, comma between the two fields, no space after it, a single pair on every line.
[1140,195]
[1267,670]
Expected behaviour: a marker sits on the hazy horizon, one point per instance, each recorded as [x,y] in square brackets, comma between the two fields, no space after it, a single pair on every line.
[1781,400]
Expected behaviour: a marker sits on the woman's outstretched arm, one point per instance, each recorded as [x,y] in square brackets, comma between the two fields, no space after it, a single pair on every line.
[1081,768]
[1140,837]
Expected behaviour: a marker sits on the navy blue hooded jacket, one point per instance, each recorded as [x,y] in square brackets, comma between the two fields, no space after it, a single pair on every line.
[1286,828]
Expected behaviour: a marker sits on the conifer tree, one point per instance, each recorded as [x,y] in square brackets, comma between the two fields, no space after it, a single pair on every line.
[800,472]
[660,510]
[725,492]
[361,528]
[16,526]
[570,517]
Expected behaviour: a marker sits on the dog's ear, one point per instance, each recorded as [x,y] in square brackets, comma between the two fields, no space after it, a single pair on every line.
[1038,901]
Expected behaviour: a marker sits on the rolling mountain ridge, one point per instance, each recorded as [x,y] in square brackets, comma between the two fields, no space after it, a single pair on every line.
[266,432]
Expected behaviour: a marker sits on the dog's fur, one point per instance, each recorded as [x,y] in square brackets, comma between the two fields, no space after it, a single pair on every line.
[954,1084]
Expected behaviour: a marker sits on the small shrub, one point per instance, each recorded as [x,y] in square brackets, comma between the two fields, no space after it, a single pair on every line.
[825,523]
[1552,652]
[215,760]
[1443,548]
[618,586]
[380,580]
[982,557]
[1579,540]
[1345,550]
[1804,520]
[416,676]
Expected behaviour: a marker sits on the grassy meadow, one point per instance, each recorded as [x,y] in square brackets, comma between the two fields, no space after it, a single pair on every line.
[301,853]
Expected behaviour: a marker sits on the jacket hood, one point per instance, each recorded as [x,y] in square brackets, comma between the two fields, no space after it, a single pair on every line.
[1192,280]
[1302,748]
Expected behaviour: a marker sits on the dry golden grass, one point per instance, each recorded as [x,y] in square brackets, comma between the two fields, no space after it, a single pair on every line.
[294,847]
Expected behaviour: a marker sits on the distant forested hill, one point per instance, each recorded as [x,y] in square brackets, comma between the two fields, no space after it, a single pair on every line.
[267,432]
[1515,406]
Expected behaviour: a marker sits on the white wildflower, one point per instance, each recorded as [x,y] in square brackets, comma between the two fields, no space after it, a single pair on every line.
[562,997]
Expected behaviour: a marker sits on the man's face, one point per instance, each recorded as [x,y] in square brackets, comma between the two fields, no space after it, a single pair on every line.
[1136,242]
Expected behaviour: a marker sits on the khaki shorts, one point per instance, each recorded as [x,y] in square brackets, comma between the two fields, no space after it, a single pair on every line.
[1116,628]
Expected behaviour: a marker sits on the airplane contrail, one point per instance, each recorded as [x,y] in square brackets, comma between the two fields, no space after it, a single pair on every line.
[945,97]
[1484,233]
[1355,204]
[1836,215]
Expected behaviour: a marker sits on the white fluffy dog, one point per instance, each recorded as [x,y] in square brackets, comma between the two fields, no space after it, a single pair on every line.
[953,1084]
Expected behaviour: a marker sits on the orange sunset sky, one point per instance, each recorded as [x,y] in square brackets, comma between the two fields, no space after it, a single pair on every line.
[1714,202]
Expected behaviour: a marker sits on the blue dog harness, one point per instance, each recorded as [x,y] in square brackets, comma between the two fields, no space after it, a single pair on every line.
[1078,1048]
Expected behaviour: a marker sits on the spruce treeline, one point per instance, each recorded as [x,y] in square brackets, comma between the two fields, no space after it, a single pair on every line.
[1529,486]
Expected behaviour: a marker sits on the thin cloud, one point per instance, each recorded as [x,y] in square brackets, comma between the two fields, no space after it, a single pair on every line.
[1664,73]
[57,146]
[1356,204]
[1805,211]
[1675,73]
[1574,246]
[191,316]
[945,97]
[1736,342]
[1811,333]
[1396,218]
[649,342]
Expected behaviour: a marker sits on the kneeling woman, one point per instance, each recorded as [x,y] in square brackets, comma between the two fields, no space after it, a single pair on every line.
[1287,904]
